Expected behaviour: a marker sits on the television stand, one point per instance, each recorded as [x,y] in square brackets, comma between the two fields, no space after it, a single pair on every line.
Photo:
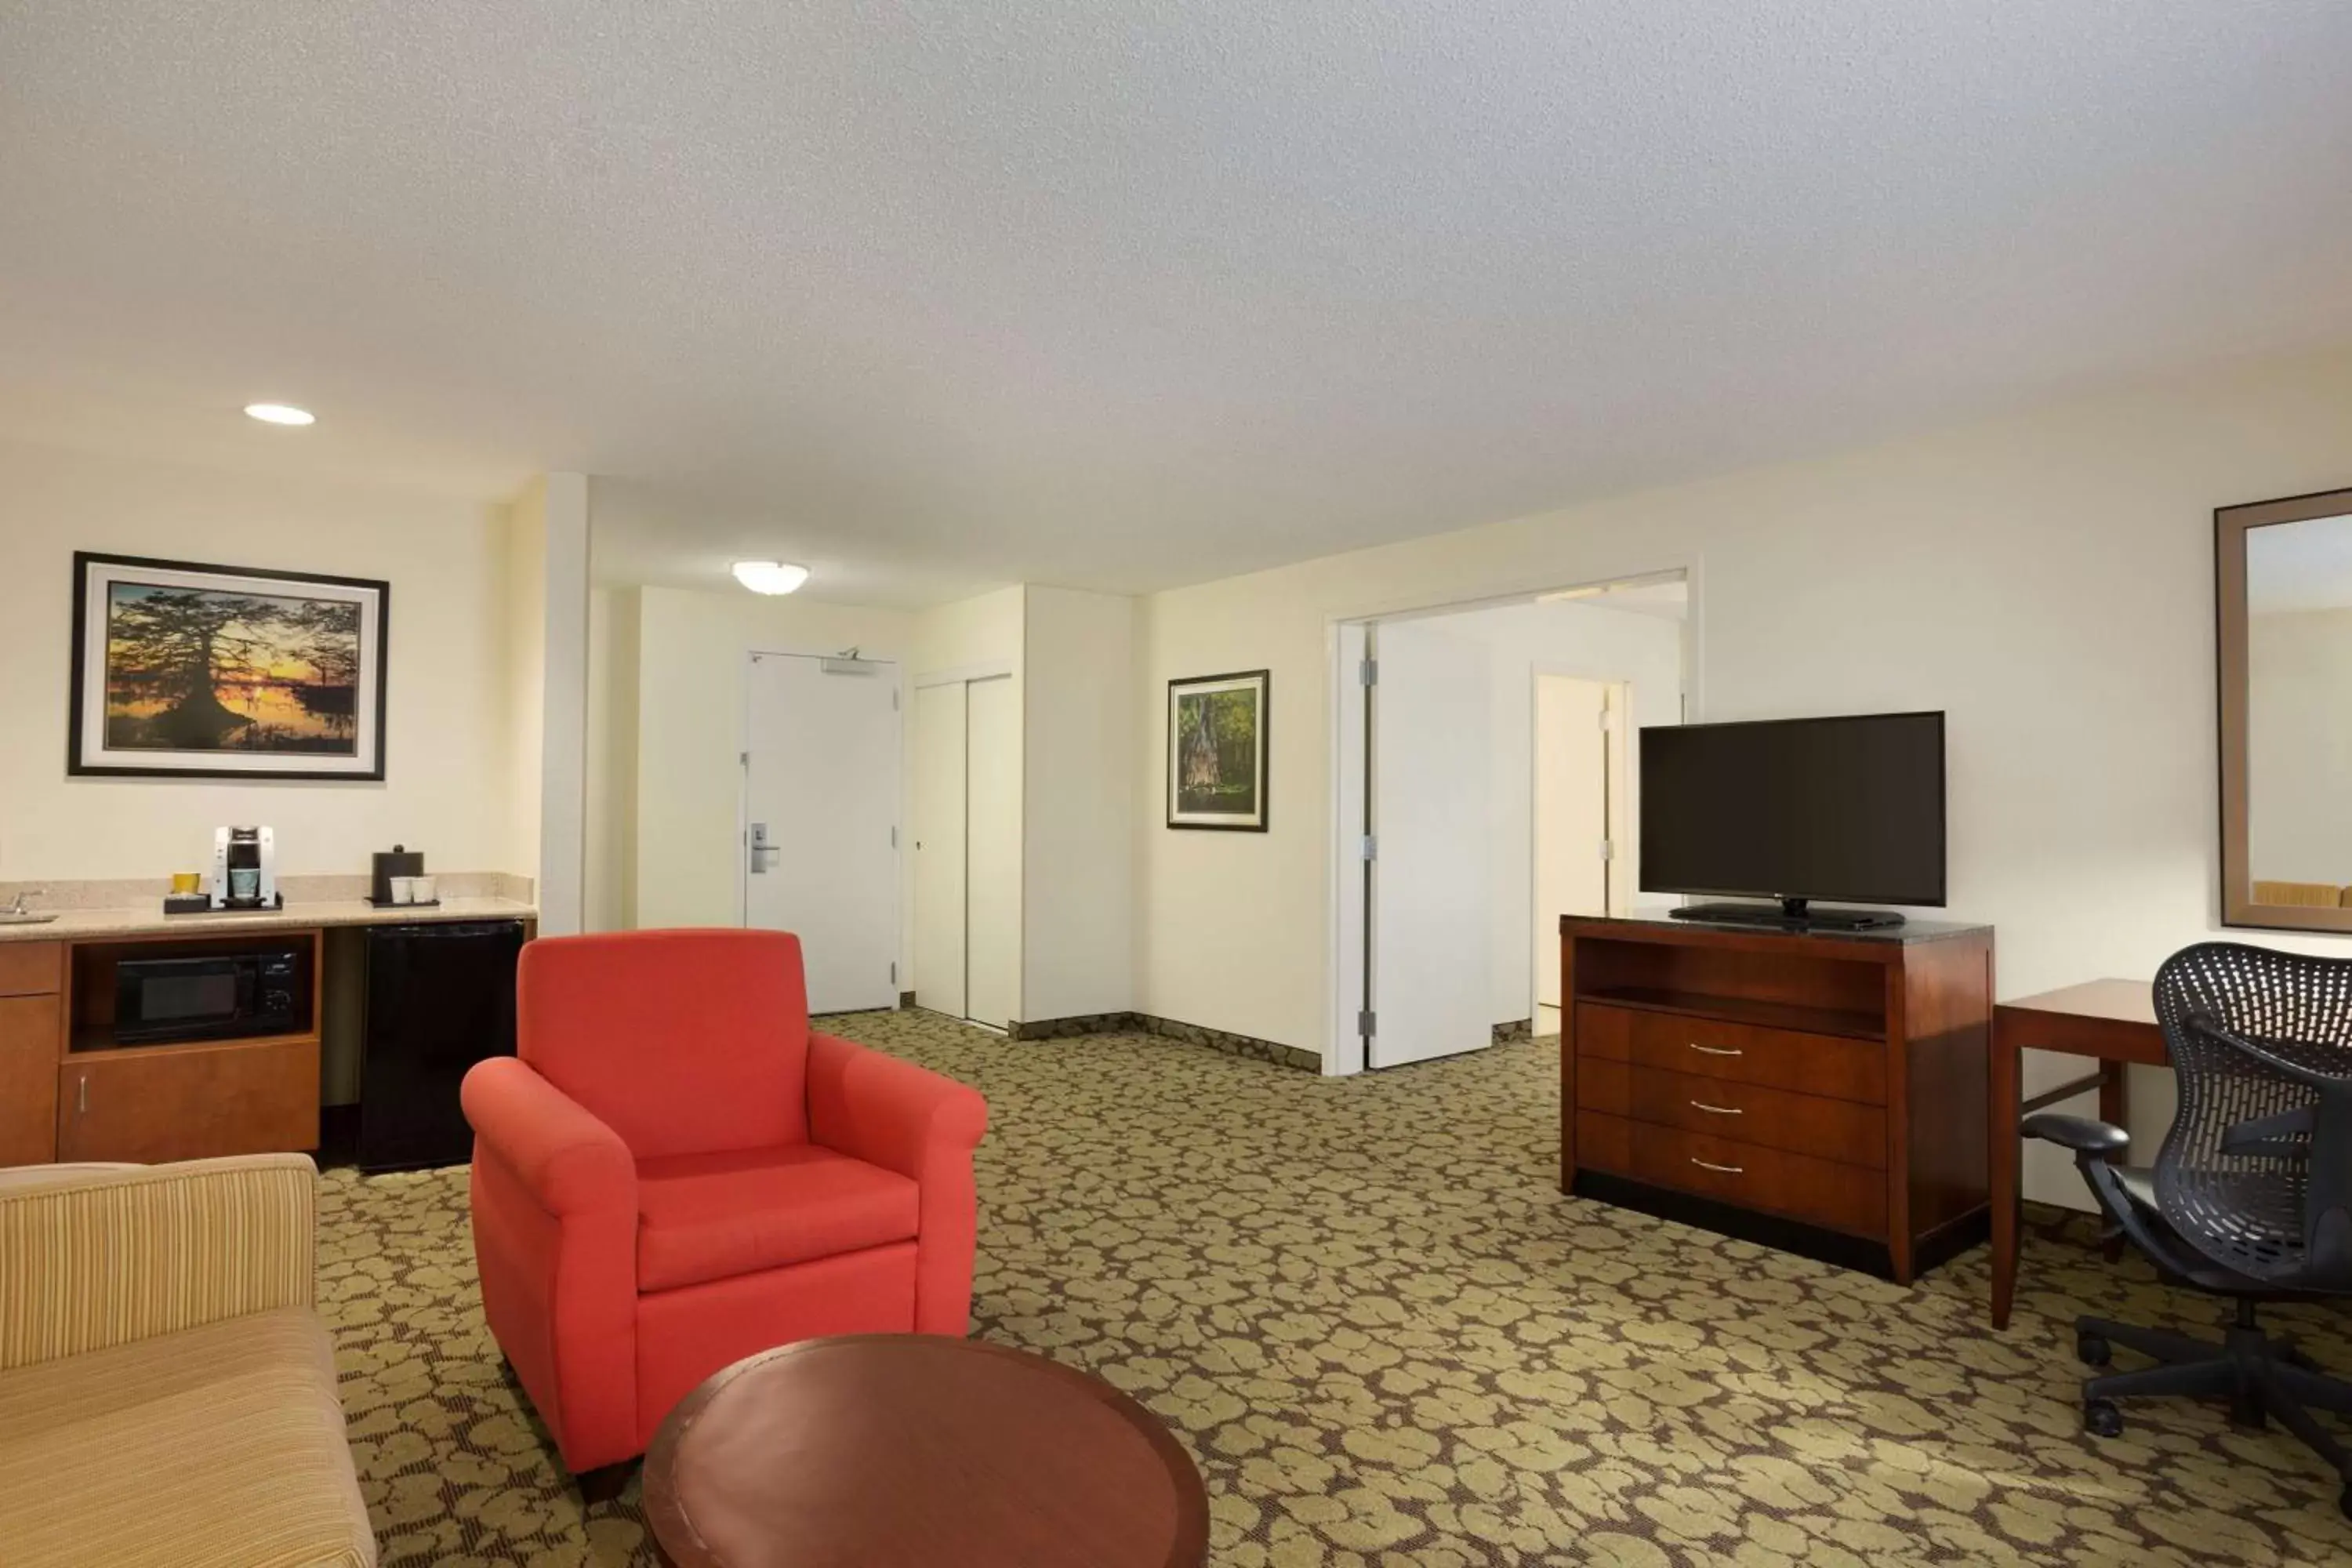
[1821,1091]
[1794,914]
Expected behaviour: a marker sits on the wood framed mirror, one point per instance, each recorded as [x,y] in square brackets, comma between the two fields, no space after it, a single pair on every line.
[2282,579]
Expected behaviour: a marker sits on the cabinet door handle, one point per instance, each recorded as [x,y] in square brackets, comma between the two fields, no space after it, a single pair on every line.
[1715,1050]
[1715,1110]
[1711,1165]
[81,1095]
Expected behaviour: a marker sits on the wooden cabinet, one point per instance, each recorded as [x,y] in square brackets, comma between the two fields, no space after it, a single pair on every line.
[189,1102]
[32,1029]
[1820,1091]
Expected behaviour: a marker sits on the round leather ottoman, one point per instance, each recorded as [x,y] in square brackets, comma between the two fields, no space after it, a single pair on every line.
[916,1451]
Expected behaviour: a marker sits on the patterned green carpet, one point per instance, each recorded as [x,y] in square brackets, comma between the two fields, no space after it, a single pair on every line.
[1388,1341]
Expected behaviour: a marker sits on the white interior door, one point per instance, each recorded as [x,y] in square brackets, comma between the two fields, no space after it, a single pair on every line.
[939,745]
[821,813]
[991,852]
[1433,897]
[1571,814]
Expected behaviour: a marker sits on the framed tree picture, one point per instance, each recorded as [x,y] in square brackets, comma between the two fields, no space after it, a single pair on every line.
[185,669]
[1217,751]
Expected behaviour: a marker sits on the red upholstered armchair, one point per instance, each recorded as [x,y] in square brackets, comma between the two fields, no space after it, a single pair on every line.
[674,1173]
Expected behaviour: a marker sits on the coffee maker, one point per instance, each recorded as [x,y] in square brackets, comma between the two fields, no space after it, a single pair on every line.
[245,869]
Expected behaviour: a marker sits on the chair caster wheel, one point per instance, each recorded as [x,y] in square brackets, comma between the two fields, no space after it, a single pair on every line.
[2092,1349]
[2102,1419]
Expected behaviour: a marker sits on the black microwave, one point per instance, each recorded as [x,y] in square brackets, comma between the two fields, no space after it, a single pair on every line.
[219,997]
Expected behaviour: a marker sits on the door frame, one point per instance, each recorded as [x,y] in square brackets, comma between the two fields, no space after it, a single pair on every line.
[1348,739]
[898,894]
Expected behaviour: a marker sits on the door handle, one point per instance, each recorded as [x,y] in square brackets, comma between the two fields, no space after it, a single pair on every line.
[764,855]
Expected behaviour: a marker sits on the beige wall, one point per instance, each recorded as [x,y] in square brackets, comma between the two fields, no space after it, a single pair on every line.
[2045,578]
[609,872]
[524,585]
[1079,852]
[450,786]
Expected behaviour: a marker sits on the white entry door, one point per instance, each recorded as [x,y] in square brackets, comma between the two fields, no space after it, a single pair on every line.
[1572,815]
[821,817]
[1432,799]
[939,835]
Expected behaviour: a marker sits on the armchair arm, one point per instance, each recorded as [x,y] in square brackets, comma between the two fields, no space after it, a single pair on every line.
[924,1126]
[888,1112]
[2080,1134]
[554,1215]
[568,1160]
[94,1259]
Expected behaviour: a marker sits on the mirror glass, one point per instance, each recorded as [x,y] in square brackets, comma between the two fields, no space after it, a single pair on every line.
[2298,728]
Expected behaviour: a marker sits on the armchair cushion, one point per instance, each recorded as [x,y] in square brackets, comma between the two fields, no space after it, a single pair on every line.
[714,1216]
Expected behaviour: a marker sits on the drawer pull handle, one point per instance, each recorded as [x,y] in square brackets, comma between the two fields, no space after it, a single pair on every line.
[1711,1165]
[1715,1110]
[1715,1050]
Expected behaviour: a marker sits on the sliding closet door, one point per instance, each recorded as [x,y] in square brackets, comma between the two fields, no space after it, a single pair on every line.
[993,852]
[939,847]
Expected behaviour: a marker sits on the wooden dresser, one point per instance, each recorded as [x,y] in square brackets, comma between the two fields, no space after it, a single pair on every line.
[1822,1092]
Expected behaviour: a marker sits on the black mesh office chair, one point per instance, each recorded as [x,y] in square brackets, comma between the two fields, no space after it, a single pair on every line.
[2250,1195]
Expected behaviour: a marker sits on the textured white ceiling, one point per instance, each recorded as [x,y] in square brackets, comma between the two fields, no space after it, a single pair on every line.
[935,293]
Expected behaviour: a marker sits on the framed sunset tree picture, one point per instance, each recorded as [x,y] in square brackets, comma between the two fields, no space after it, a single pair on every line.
[181,668]
[1217,751]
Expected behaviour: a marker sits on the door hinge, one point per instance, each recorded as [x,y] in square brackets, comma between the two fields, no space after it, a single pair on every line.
[894,972]
[1365,1024]
[894,700]
[1604,720]
[1370,847]
[1608,850]
[1369,672]
[743,759]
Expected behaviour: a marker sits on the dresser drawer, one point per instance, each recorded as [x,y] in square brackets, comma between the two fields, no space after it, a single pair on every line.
[1831,1064]
[30,968]
[1775,1180]
[1846,1131]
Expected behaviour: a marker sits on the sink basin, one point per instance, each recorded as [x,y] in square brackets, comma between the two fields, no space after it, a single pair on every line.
[26,917]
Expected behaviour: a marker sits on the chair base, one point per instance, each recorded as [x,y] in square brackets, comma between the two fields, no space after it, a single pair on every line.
[2262,1378]
[605,1482]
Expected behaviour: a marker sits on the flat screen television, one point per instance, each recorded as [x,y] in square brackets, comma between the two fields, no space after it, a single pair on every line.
[1849,809]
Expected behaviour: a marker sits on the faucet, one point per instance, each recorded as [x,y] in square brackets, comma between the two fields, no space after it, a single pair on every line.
[18,907]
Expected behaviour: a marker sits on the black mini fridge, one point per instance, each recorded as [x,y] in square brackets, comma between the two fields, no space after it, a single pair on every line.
[440,997]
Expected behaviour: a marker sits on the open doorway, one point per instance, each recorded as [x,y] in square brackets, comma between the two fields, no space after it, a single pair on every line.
[1485,786]
[1579,816]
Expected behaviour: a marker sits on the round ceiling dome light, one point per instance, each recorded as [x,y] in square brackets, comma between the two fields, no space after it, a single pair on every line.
[770,576]
[280,413]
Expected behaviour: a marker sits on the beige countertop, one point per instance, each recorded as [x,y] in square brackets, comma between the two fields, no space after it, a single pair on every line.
[148,919]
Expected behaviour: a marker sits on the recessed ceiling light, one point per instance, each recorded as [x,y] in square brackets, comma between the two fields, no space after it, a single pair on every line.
[770,576]
[280,413]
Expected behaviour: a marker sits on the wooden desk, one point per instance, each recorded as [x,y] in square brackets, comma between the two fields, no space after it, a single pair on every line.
[2111,1021]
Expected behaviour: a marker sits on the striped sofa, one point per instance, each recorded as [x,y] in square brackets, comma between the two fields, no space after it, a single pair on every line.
[167,1395]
